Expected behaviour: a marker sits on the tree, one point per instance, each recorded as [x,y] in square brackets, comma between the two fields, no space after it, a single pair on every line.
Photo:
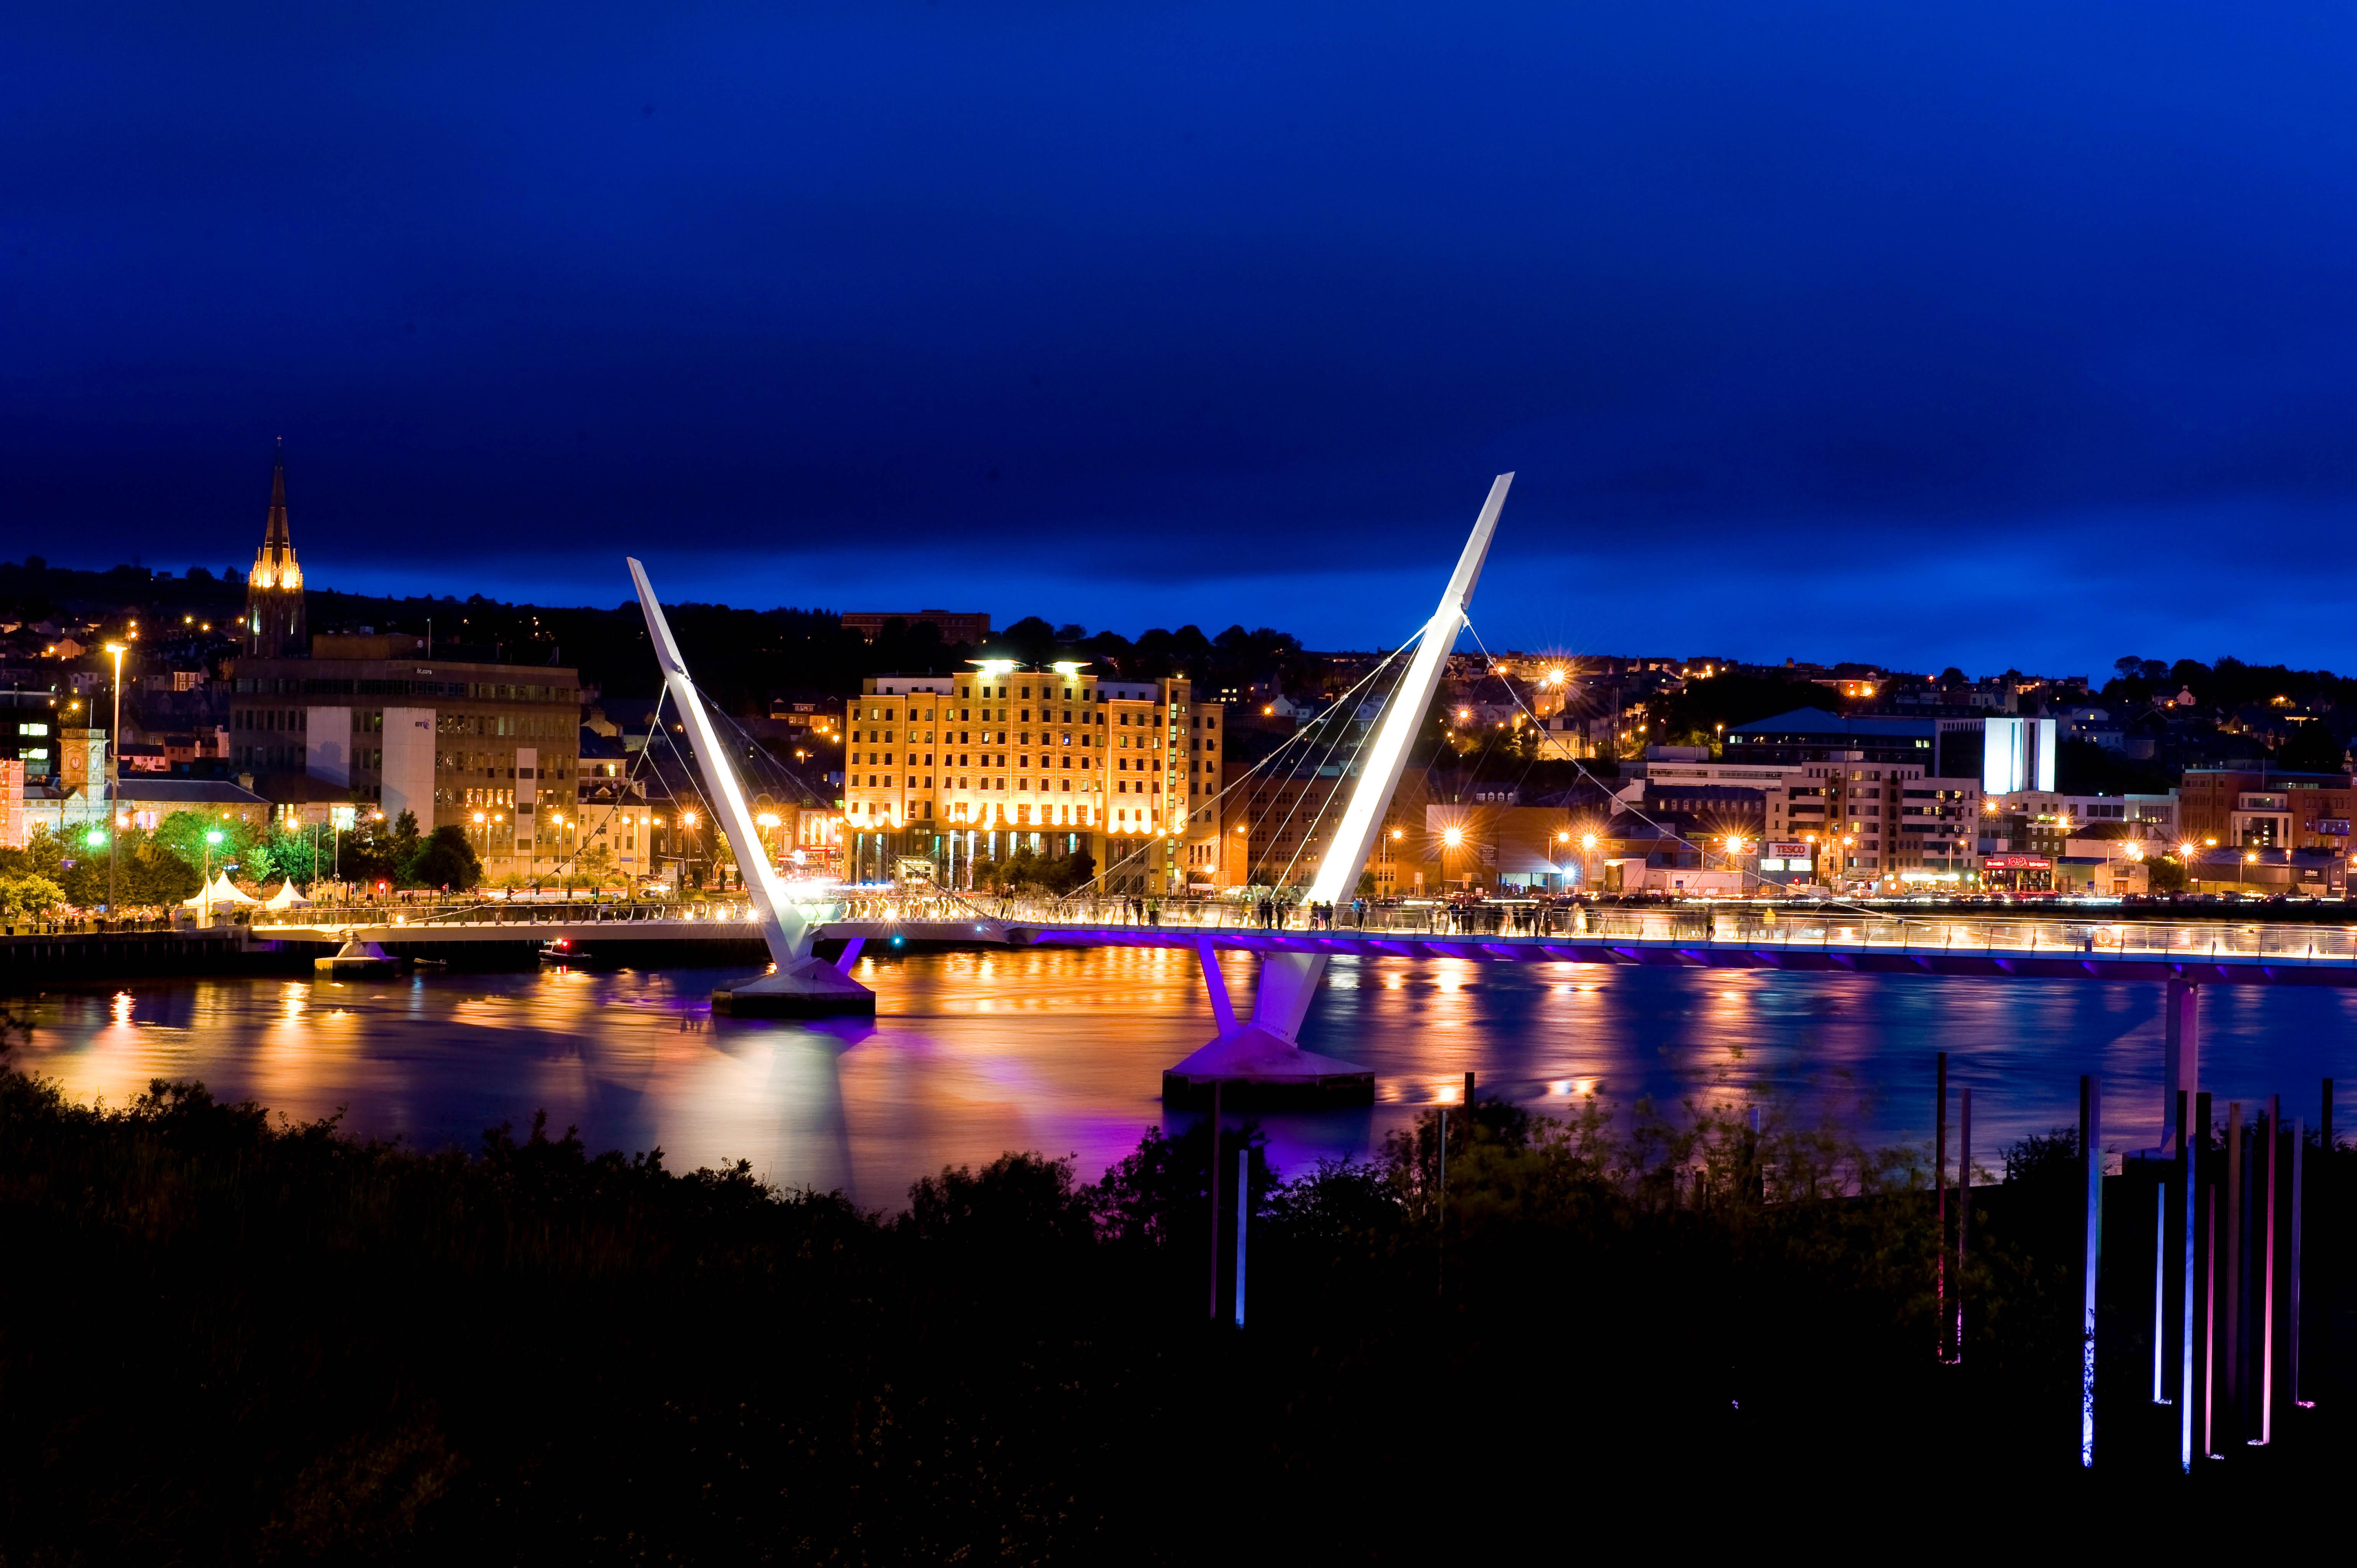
[184,833]
[154,876]
[28,898]
[2312,749]
[446,859]
[297,854]
[1032,639]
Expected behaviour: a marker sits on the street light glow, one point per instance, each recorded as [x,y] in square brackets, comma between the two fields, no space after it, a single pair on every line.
[1452,837]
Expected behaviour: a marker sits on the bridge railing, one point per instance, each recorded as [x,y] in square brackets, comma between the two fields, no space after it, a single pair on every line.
[2060,937]
[1831,930]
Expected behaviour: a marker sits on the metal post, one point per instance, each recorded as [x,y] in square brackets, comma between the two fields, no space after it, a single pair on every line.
[2187,1175]
[2233,1337]
[2324,1307]
[1244,1208]
[2209,1332]
[2274,1126]
[2159,1281]
[1963,1211]
[1940,1207]
[2292,1279]
[2091,1131]
[1216,1199]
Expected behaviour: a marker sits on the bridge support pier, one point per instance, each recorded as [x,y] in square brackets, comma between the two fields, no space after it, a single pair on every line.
[1256,1064]
[806,987]
[1261,1062]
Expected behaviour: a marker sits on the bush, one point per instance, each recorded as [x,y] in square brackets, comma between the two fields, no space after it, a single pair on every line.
[230,1338]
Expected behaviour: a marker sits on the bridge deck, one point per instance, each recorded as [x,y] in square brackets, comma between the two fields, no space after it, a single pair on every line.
[2257,955]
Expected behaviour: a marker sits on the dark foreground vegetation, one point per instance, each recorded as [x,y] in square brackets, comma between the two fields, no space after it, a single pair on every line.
[231,1340]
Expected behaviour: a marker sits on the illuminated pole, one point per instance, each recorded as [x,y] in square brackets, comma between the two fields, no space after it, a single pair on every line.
[2159,1286]
[2091,1139]
[1215,1197]
[2186,1172]
[2291,1279]
[113,765]
[1940,1209]
[1243,1208]
[2272,1122]
[1964,1212]
[212,837]
[2234,1337]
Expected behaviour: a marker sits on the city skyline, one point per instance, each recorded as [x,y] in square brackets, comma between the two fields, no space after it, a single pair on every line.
[1835,335]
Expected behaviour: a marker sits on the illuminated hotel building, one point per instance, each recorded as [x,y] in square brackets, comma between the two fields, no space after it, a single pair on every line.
[1057,761]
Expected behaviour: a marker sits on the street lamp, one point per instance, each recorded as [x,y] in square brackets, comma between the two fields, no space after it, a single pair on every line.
[212,842]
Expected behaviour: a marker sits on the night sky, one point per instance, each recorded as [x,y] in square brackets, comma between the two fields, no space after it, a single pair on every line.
[1999,334]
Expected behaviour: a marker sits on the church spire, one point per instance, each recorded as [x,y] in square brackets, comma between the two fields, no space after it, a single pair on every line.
[274,590]
[275,535]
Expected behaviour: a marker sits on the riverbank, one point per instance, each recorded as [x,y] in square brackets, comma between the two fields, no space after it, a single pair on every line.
[228,1337]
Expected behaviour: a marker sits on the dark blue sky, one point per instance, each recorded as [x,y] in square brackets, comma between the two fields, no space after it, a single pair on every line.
[2003,334]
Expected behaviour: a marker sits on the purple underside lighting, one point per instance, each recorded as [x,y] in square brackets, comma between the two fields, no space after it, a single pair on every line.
[2338,973]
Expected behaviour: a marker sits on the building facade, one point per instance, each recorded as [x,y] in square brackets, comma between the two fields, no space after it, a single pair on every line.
[490,747]
[956,769]
[1893,825]
[2263,809]
[1276,830]
[970,628]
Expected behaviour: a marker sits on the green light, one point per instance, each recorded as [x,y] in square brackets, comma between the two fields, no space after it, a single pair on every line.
[97,838]
[213,837]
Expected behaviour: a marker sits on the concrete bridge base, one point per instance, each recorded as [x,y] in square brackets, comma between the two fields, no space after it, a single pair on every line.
[804,988]
[1259,1069]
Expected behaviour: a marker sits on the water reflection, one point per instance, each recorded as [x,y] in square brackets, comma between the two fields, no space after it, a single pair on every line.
[973,1053]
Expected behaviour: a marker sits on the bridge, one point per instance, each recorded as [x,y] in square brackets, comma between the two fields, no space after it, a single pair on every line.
[1258,1058]
[2182,956]
[2211,953]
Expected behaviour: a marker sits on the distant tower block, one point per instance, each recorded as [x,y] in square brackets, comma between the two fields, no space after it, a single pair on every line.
[273,593]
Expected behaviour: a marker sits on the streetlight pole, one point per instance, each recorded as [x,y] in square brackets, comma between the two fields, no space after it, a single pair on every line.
[113,757]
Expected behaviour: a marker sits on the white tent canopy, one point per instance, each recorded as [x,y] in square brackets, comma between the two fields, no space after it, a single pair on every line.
[222,891]
[284,897]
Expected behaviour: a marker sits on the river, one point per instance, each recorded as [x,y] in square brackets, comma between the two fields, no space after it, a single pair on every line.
[974,1053]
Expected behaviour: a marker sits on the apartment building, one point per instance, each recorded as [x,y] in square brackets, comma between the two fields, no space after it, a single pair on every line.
[1858,821]
[2266,808]
[1055,761]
